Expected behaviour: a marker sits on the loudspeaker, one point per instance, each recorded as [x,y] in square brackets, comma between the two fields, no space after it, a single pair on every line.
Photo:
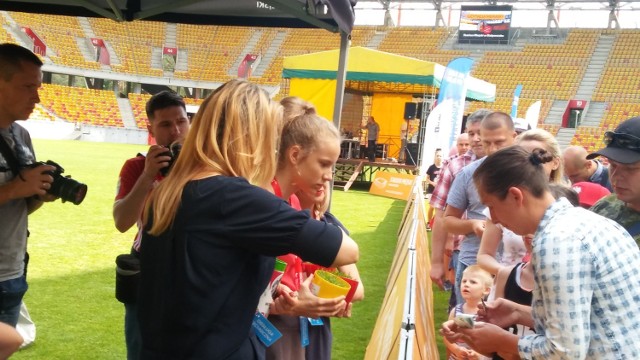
[381,151]
[419,110]
[411,154]
[410,110]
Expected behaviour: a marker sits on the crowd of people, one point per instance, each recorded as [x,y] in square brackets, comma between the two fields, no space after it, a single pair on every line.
[558,247]
[542,243]
[215,201]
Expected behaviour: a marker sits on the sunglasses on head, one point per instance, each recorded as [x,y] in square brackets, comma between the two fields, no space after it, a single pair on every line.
[619,140]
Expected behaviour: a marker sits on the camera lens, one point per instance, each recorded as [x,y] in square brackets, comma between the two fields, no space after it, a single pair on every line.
[68,189]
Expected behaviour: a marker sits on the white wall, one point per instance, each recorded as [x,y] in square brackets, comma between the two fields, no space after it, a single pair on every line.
[60,130]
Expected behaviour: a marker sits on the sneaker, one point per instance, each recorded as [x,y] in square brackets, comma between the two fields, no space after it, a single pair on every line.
[428,228]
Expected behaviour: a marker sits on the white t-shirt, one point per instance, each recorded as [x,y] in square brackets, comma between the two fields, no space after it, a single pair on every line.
[513,249]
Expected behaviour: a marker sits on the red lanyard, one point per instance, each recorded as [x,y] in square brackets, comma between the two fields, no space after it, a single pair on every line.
[276,188]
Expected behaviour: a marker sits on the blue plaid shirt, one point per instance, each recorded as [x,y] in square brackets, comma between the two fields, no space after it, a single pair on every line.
[587,294]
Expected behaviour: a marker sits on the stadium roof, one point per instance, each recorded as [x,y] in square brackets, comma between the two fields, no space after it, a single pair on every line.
[508,2]
[278,13]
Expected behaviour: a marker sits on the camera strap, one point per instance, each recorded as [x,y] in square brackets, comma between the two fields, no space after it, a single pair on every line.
[8,154]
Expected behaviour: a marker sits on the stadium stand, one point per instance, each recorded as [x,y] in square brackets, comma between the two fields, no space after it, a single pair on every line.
[420,42]
[40,113]
[620,81]
[547,72]
[211,50]
[305,41]
[59,33]
[618,88]
[297,42]
[138,102]
[549,69]
[589,137]
[80,105]
[133,43]
[4,35]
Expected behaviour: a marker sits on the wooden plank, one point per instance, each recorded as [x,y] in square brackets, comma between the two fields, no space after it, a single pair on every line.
[354,176]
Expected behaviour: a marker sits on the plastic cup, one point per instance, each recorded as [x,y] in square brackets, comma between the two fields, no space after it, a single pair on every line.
[328,286]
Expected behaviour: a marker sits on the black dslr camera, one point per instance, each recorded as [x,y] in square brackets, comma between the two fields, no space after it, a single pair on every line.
[63,187]
[172,151]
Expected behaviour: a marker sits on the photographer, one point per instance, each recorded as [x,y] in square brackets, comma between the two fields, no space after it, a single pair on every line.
[23,188]
[168,122]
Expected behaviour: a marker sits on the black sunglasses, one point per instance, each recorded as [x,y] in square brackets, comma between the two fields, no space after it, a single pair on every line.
[625,141]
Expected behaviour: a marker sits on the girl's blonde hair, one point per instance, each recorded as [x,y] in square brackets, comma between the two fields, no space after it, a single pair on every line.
[295,106]
[303,127]
[234,133]
[551,146]
[319,208]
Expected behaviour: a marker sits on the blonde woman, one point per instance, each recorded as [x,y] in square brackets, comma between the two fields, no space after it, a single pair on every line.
[212,232]
[320,337]
[309,148]
[514,249]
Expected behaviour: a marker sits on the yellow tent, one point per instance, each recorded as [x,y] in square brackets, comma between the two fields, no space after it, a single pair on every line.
[392,79]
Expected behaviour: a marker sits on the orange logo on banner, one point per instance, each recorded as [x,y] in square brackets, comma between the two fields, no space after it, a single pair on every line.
[393,185]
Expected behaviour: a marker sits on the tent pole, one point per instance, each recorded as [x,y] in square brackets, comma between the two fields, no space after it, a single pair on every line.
[345,40]
[341,75]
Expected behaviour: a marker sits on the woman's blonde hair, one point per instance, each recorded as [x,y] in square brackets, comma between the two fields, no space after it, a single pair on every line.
[234,133]
[303,127]
[551,146]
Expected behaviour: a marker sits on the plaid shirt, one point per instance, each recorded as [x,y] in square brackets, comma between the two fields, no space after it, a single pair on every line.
[450,169]
[586,294]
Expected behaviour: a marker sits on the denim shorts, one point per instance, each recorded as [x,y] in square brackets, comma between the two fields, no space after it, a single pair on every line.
[11,294]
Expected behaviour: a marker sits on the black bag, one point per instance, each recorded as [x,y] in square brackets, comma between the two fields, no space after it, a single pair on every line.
[127,278]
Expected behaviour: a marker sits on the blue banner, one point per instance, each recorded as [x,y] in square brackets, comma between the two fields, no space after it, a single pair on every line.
[445,120]
[454,89]
[516,99]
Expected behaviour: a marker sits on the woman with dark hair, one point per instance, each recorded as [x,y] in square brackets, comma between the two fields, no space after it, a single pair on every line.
[584,289]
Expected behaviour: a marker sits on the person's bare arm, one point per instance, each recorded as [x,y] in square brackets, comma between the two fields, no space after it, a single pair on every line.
[453,223]
[32,185]
[348,252]
[30,182]
[504,313]
[352,271]
[450,344]
[127,210]
[488,339]
[489,246]
[438,243]
[501,280]
[10,341]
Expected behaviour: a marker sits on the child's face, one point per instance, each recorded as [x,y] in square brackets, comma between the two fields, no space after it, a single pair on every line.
[472,287]
[315,170]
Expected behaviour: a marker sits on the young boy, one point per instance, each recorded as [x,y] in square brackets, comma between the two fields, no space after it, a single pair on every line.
[475,285]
